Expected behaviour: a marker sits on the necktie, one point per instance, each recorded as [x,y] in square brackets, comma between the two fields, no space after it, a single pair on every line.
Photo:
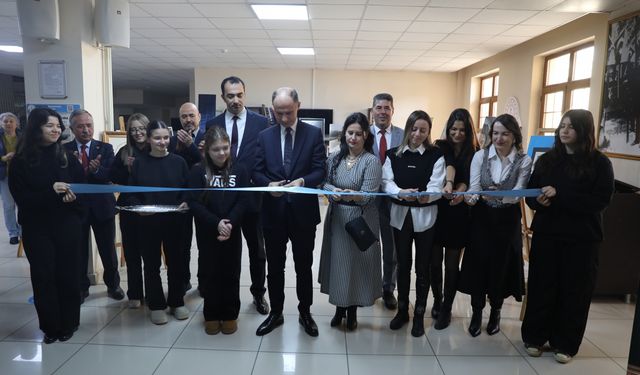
[234,137]
[84,158]
[382,151]
[288,150]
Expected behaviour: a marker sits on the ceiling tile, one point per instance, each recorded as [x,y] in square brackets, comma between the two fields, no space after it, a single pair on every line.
[335,11]
[433,60]
[589,6]
[446,14]
[160,33]
[482,28]
[369,51]
[433,27]
[512,17]
[399,2]
[8,9]
[225,10]
[293,43]
[217,42]
[453,47]
[552,18]
[414,45]
[146,23]
[246,34]
[465,38]
[170,10]
[422,37]
[377,35]
[135,11]
[253,43]
[187,23]
[401,13]
[506,40]
[373,43]
[338,35]
[404,52]
[285,25]
[236,23]
[475,4]
[380,25]
[524,4]
[201,33]
[334,25]
[333,43]
[285,34]
[332,51]
[526,30]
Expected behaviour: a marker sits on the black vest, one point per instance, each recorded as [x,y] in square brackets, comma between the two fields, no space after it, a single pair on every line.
[413,170]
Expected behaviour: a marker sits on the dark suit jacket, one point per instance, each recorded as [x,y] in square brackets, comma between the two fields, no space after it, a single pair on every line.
[307,161]
[190,154]
[254,124]
[100,206]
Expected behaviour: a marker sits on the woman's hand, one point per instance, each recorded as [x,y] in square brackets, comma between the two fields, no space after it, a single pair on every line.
[402,194]
[336,197]
[69,196]
[549,191]
[130,160]
[8,157]
[456,200]
[448,189]
[61,187]
[225,227]
[422,199]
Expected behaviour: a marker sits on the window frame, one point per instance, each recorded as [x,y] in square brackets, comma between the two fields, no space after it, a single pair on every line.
[566,87]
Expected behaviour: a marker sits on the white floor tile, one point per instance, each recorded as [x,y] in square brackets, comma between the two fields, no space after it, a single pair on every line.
[14,316]
[194,337]
[455,340]
[110,360]
[612,336]
[24,358]
[291,338]
[19,294]
[373,336]
[611,309]
[17,267]
[206,362]
[8,283]
[478,365]
[578,366]
[393,364]
[297,363]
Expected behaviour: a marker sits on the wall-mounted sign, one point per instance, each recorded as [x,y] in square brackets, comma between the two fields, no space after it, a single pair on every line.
[53,79]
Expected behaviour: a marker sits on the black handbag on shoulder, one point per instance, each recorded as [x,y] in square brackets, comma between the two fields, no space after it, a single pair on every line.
[360,232]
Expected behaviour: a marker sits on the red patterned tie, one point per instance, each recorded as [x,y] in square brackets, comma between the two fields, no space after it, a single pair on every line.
[85,159]
[383,146]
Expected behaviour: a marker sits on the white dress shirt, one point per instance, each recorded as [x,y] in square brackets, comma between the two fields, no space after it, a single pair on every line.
[423,217]
[79,147]
[283,133]
[499,168]
[387,135]
[240,123]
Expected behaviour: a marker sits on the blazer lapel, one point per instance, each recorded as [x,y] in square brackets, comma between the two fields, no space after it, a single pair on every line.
[94,150]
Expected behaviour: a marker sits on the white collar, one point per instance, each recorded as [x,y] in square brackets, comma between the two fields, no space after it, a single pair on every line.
[494,154]
[241,116]
[421,149]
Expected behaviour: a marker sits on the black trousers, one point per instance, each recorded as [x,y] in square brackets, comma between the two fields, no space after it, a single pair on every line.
[302,243]
[185,245]
[53,251]
[105,234]
[253,234]
[159,231]
[130,229]
[404,240]
[389,259]
[222,291]
[451,273]
[562,276]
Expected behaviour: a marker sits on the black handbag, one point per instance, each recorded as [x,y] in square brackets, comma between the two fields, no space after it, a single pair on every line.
[360,232]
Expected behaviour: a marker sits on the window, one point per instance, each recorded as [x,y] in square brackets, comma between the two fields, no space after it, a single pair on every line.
[488,97]
[567,85]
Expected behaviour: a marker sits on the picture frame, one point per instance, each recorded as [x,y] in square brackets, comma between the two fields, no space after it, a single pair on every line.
[619,127]
[52,75]
[117,139]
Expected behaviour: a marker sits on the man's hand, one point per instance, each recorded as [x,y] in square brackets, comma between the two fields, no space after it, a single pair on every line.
[295,183]
[277,183]
[95,164]
[184,138]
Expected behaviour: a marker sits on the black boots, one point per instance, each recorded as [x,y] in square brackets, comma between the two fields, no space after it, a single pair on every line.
[418,321]
[493,326]
[476,322]
[444,318]
[402,316]
[337,318]
[352,319]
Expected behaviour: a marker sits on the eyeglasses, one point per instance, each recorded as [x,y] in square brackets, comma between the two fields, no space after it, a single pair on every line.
[138,130]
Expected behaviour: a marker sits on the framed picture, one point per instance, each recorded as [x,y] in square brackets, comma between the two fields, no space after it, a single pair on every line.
[116,139]
[619,128]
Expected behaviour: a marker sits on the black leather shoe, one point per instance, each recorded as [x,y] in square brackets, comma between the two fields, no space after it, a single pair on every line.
[309,325]
[83,295]
[262,307]
[116,293]
[187,286]
[493,326]
[49,339]
[352,318]
[476,322]
[390,301]
[272,322]
[398,321]
[339,315]
[14,240]
[65,336]
[435,310]
[444,319]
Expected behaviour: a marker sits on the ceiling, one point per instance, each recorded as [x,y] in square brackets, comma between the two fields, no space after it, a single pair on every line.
[171,37]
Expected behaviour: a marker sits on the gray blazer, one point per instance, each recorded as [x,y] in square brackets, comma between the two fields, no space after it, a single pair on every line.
[396,139]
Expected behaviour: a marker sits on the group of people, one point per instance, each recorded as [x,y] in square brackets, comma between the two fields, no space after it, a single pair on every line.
[437,206]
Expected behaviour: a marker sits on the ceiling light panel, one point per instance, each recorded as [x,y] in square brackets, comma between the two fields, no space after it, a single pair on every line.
[280,12]
[296,51]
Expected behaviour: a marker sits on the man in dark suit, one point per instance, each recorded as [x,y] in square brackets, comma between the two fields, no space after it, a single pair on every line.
[185,143]
[386,136]
[289,154]
[96,158]
[243,127]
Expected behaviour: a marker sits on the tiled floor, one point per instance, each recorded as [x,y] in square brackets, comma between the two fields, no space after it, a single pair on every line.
[115,340]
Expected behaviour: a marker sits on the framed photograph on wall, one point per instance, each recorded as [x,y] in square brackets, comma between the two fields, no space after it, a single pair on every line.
[619,128]
[116,139]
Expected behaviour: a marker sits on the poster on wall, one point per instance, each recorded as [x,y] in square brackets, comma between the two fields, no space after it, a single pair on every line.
[64,110]
[619,129]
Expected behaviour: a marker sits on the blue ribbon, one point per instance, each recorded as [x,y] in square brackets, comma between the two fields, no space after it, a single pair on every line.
[102,189]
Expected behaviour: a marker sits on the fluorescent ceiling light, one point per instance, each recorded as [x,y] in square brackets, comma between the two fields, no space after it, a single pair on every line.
[281,12]
[296,51]
[14,49]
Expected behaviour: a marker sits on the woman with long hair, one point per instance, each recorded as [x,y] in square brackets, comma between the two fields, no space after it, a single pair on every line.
[9,136]
[349,276]
[137,146]
[452,224]
[218,215]
[39,179]
[577,183]
[158,232]
[492,264]
[414,166]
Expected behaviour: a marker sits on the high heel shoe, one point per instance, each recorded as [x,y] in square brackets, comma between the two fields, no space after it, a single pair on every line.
[352,319]
[339,315]
[476,323]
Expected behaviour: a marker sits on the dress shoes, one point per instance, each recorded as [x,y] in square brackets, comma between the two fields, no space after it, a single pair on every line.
[262,307]
[49,339]
[493,326]
[444,319]
[337,318]
[309,325]
[352,318]
[398,321]
[272,322]
[83,295]
[476,323]
[65,336]
[435,310]
[116,293]
[390,301]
